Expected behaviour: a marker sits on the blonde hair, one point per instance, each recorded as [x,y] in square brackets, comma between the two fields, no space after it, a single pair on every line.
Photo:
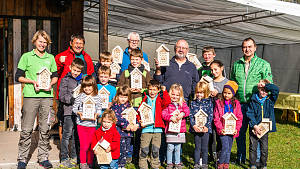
[202,87]
[89,80]
[108,113]
[123,91]
[43,34]
[105,56]
[104,70]
[178,87]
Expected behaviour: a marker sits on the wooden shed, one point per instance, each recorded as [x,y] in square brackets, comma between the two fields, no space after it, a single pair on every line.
[19,20]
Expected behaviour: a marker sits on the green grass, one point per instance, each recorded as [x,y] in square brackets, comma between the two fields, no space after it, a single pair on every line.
[284,148]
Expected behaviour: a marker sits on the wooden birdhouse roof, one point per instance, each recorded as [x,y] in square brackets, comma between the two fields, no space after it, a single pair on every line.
[162,47]
[265,120]
[103,90]
[44,69]
[117,49]
[115,66]
[135,71]
[89,100]
[228,115]
[130,110]
[201,112]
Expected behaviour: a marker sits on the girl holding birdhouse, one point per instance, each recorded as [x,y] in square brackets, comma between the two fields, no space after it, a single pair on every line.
[175,116]
[228,119]
[201,117]
[87,107]
[126,122]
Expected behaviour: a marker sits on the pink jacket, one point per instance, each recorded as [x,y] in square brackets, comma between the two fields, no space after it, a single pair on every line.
[166,115]
[219,112]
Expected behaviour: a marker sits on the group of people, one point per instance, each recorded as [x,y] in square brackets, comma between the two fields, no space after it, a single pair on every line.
[176,93]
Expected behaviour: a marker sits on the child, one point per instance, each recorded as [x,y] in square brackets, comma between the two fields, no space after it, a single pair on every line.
[121,103]
[151,134]
[219,81]
[177,103]
[104,73]
[67,85]
[86,127]
[208,54]
[202,102]
[136,58]
[108,132]
[105,59]
[227,103]
[261,107]
[217,69]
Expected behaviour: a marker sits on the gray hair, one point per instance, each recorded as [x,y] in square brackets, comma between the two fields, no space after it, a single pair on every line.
[133,33]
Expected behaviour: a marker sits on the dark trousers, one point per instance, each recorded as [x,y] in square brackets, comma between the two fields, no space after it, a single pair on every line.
[163,149]
[226,141]
[241,140]
[125,146]
[201,147]
[214,141]
[68,137]
[263,141]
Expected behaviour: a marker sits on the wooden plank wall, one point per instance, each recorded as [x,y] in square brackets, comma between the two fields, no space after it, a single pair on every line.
[23,18]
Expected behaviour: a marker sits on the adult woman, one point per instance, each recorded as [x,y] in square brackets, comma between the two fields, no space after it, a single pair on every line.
[36,100]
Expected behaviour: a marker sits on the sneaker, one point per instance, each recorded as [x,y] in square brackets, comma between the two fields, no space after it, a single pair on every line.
[178,166]
[73,161]
[204,166]
[226,166]
[84,166]
[66,164]
[128,160]
[253,167]
[169,166]
[265,167]
[21,165]
[220,166]
[46,164]
[197,166]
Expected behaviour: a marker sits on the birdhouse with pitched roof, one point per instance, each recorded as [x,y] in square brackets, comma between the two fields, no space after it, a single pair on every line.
[89,108]
[163,55]
[146,114]
[229,123]
[265,126]
[175,127]
[209,80]
[136,77]
[193,58]
[104,97]
[200,119]
[146,65]
[117,55]
[115,68]
[44,78]
[102,156]
[130,115]
[76,91]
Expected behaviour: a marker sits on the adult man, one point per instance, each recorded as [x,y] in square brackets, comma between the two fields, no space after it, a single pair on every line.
[180,70]
[133,42]
[247,72]
[63,61]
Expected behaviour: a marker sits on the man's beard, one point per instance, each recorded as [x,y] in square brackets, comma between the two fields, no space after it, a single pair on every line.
[180,56]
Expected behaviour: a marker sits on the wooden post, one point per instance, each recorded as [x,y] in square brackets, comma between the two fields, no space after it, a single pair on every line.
[103,26]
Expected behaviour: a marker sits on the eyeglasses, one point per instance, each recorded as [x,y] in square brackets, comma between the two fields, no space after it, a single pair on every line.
[134,41]
[180,47]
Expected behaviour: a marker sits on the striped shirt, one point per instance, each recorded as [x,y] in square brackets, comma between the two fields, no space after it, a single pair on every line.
[78,107]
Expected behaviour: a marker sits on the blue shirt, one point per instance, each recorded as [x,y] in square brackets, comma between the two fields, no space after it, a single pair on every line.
[126,59]
[151,128]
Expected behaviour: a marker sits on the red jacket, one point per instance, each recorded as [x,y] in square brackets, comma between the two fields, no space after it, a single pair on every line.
[219,112]
[112,136]
[64,68]
[160,105]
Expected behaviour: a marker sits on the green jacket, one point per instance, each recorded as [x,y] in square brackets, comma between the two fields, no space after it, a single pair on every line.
[259,69]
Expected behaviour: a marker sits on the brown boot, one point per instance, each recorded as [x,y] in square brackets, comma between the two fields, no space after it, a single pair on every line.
[220,166]
[226,166]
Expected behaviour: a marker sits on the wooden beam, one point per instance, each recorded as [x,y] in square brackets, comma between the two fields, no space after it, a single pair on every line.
[10,73]
[103,26]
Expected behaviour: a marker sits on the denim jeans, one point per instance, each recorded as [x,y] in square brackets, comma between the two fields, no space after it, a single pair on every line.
[173,148]
[68,137]
[241,140]
[258,152]
[125,146]
[226,141]
[201,146]
[263,149]
[112,165]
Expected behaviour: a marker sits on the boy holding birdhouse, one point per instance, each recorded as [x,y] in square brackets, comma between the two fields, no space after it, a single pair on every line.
[262,120]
